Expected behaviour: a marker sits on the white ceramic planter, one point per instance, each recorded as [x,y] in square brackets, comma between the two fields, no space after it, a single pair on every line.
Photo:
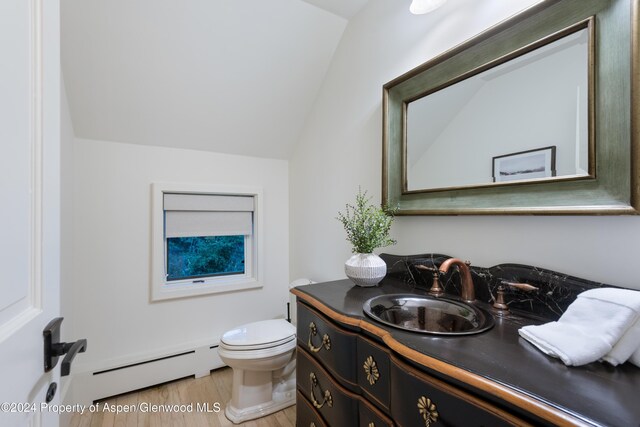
[365,269]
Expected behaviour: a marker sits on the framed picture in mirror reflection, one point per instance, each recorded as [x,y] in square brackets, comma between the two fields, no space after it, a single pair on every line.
[523,165]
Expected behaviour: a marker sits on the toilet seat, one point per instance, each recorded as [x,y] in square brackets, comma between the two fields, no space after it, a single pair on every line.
[259,339]
[257,346]
[263,353]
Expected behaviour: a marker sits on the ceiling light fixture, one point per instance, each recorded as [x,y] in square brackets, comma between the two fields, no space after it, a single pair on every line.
[419,7]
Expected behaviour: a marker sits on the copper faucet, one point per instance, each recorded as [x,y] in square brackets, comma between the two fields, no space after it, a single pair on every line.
[468,292]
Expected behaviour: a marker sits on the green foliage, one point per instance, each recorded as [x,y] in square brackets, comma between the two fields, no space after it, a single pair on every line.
[189,257]
[367,226]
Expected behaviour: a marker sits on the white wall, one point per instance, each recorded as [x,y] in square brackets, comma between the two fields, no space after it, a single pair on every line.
[111,247]
[341,149]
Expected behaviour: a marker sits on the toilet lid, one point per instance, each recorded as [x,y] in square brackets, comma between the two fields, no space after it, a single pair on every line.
[263,334]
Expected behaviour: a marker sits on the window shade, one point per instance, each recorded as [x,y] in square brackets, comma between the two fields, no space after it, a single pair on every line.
[192,215]
[207,202]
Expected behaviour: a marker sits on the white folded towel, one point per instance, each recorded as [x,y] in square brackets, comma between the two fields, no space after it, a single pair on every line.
[626,346]
[590,327]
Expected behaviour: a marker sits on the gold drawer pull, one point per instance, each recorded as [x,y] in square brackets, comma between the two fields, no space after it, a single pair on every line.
[326,341]
[371,369]
[372,425]
[428,411]
[326,395]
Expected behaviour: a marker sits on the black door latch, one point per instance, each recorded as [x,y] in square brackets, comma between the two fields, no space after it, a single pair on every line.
[53,348]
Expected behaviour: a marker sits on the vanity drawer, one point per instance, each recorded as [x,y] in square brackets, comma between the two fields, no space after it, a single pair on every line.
[306,416]
[420,399]
[373,372]
[334,347]
[372,417]
[337,406]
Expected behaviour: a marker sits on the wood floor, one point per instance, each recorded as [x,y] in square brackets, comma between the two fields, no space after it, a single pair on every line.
[216,388]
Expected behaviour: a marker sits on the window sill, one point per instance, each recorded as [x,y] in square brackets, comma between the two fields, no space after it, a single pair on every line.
[186,289]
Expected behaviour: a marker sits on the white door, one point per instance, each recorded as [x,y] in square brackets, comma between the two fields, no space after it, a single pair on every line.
[29,205]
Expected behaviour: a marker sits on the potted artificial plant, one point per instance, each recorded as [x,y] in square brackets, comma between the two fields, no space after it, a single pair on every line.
[367,228]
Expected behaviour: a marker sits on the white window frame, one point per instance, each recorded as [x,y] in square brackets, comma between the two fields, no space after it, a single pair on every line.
[161,288]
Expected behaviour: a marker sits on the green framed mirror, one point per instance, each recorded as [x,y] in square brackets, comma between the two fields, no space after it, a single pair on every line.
[537,115]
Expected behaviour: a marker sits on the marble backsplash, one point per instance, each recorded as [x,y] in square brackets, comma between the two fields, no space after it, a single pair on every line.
[556,291]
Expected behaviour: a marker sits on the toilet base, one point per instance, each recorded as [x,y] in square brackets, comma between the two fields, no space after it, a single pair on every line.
[256,394]
[237,416]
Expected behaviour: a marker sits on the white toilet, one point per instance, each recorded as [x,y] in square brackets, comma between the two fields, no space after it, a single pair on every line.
[262,356]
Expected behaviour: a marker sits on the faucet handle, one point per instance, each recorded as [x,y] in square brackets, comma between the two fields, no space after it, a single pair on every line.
[522,286]
[499,304]
[424,267]
[436,288]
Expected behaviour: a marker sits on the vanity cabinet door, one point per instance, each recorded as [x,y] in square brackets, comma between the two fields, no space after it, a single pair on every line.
[334,347]
[421,400]
[372,417]
[306,416]
[373,372]
[337,406]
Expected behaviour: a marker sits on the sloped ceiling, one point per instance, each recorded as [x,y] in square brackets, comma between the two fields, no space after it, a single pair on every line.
[227,76]
[345,8]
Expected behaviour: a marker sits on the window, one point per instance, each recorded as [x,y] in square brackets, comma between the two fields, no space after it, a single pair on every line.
[204,256]
[204,240]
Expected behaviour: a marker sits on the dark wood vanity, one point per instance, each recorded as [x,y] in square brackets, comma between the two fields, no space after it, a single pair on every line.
[354,371]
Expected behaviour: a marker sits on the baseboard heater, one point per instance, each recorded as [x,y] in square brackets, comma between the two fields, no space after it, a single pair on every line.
[146,361]
[103,383]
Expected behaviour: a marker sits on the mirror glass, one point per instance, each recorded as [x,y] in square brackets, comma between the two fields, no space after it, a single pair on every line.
[524,119]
